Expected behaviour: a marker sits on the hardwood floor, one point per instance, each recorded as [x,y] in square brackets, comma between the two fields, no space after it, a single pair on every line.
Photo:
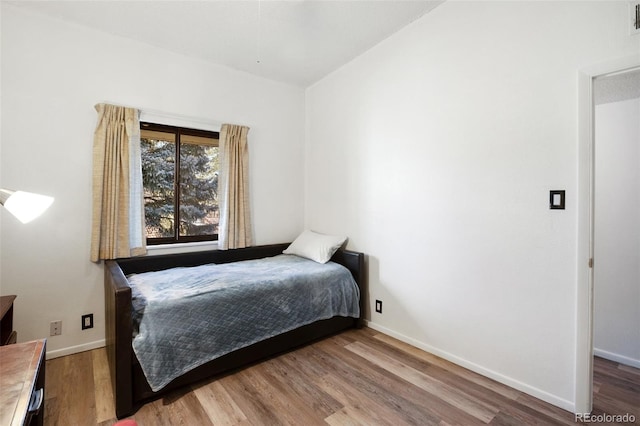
[616,389]
[360,377]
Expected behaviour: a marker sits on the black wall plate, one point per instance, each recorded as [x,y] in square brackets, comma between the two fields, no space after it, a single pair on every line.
[556,200]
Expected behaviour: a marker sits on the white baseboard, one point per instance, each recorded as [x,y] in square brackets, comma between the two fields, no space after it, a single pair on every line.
[523,387]
[76,349]
[617,358]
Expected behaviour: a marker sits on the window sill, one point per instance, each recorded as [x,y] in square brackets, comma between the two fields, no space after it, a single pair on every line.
[181,248]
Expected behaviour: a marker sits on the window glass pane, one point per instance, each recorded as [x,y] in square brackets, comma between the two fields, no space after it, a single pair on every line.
[158,170]
[199,214]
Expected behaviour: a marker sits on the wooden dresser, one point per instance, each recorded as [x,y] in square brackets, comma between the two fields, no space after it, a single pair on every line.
[22,373]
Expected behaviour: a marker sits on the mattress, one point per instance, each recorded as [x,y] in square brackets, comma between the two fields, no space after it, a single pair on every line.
[185,317]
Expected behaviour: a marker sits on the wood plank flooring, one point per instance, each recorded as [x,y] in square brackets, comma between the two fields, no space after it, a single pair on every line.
[359,377]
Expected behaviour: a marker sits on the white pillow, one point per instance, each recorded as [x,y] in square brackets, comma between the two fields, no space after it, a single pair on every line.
[315,246]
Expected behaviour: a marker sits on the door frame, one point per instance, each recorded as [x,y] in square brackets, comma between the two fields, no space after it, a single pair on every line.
[584,291]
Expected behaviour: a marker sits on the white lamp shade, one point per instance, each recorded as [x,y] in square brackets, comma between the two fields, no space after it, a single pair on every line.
[26,206]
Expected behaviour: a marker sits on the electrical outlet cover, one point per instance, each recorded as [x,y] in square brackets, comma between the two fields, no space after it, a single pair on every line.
[55,328]
[87,321]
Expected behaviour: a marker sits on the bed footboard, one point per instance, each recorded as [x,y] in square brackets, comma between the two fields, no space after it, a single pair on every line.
[119,330]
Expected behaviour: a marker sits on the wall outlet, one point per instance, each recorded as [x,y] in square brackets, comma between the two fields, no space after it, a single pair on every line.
[379,306]
[55,328]
[87,321]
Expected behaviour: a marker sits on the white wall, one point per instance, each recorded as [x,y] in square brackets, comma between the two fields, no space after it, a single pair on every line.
[617,232]
[435,152]
[52,75]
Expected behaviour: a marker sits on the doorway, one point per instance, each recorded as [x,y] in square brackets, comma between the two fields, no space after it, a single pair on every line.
[583,378]
[616,203]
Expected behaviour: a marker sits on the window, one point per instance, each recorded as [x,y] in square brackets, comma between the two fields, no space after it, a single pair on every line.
[180,178]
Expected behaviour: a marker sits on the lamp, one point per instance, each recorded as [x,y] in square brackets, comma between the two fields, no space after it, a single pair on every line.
[26,206]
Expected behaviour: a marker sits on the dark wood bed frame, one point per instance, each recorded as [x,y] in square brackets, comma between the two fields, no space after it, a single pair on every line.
[130,386]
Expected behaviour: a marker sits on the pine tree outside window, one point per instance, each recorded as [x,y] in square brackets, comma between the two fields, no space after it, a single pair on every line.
[180,176]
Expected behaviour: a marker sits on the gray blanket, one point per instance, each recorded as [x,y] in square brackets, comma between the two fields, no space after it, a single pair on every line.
[185,317]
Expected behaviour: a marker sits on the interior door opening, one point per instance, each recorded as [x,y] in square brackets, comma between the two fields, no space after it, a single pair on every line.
[615,239]
[583,378]
[616,202]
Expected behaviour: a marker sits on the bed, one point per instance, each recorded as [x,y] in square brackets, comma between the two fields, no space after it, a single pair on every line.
[130,384]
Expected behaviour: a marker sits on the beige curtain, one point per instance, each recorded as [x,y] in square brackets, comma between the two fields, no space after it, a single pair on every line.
[118,219]
[235,214]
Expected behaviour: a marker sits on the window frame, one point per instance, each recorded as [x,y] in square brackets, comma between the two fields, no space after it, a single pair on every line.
[178,132]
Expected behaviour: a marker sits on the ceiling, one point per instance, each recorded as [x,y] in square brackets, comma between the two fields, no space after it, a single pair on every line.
[297,41]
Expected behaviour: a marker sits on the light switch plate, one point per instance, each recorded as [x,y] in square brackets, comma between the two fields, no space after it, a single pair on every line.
[556,200]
